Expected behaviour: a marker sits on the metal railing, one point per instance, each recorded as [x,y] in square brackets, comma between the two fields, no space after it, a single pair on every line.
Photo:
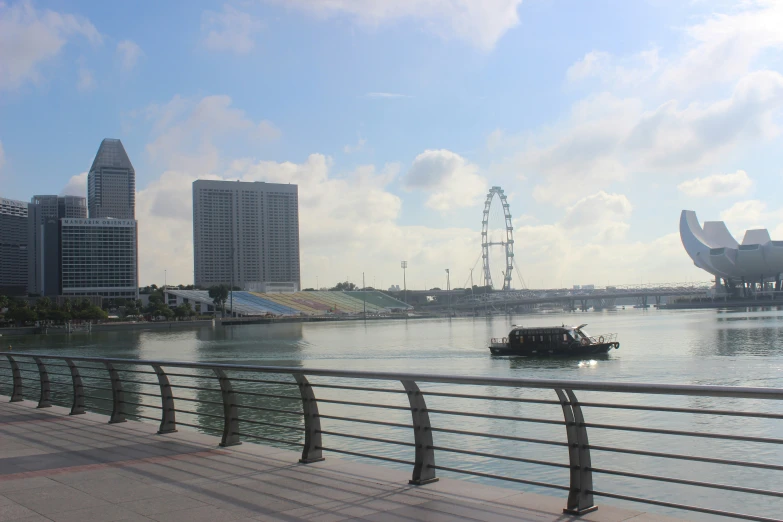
[79,381]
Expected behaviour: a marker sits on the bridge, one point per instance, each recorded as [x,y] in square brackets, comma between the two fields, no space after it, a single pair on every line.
[85,448]
[569,298]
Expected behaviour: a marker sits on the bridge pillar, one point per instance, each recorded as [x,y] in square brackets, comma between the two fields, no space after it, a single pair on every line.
[657,301]
[584,305]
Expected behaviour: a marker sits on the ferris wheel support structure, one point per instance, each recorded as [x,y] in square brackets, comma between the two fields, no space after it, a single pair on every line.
[508,244]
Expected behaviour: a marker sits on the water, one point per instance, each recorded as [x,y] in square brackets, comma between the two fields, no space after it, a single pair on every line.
[720,347]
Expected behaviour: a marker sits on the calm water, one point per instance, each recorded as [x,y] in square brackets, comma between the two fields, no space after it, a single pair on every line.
[738,348]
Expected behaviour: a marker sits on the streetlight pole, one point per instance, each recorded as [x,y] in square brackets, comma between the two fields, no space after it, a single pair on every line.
[404,265]
[448,288]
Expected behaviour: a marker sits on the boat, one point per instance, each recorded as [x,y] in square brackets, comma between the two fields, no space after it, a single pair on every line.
[555,341]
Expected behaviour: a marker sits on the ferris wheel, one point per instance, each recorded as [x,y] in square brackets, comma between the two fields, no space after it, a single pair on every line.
[506,241]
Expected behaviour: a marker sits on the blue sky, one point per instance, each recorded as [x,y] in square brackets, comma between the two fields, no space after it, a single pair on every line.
[601,120]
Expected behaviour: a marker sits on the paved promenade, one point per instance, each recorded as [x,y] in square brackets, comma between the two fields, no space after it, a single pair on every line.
[79,468]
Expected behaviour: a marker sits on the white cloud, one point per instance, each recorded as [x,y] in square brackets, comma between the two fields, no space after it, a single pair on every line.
[753,214]
[605,213]
[618,72]
[717,185]
[749,214]
[86,80]
[129,53]
[30,37]
[479,22]
[452,181]
[607,138]
[230,30]
[726,46]
[720,49]
[185,130]
[77,186]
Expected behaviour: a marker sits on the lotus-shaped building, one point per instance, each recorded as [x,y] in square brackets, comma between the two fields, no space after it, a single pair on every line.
[758,259]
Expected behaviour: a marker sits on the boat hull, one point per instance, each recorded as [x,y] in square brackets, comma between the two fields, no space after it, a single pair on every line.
[568,351]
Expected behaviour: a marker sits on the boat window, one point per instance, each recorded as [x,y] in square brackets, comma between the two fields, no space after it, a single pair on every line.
[574,334]
[581,331]
[565,337]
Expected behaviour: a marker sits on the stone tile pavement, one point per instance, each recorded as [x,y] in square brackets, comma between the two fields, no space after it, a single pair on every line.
[79,468]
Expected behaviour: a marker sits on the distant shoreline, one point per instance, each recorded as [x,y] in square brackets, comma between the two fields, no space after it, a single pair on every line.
[744,303]
[179,325]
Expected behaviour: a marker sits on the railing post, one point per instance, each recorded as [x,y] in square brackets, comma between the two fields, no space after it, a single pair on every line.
[44,401]
[580,498]
[117,398]
[423,468]
[311,452]
[230,413]
[168,422]
[16,394]
[77,408]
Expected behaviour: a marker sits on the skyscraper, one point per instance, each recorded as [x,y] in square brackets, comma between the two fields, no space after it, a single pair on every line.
[111,183]
[13,247]
[43,240]
[246,233]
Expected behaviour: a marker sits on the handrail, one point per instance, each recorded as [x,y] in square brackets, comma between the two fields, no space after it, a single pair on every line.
[738,392]
[581,471]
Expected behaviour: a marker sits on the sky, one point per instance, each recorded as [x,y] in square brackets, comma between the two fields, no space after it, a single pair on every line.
[600,120]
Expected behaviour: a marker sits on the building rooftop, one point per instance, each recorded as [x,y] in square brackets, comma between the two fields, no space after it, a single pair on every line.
[111,153]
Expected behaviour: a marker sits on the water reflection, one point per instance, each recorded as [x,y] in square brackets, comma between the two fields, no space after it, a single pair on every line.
[757,341]
[555,363]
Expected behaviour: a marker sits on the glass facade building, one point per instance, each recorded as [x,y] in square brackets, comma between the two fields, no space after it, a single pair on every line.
[13,247]
[245,232]
[44,214]
[99,257]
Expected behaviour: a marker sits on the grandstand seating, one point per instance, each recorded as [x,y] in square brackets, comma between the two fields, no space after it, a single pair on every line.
[380,299]
[299,303]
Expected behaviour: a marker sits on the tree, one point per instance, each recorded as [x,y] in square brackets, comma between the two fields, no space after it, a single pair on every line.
[131,307]
[91,313]
[44,308]
[184,310]
[219,295]
[343,287]
[22,314]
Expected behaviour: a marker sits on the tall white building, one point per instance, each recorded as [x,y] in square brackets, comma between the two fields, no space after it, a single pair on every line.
[99,257]
[245,232]
[111,183]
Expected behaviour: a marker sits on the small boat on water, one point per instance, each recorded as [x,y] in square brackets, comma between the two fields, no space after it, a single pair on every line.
[555,341]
